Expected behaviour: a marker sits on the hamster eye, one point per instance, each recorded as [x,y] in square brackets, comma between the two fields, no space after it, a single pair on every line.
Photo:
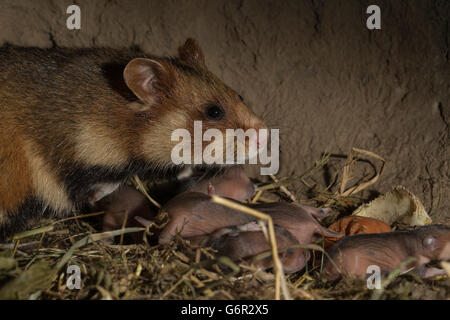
[242,99]
[214,112]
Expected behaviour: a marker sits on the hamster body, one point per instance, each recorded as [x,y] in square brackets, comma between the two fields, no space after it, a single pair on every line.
[245,242]
[127,202]
[194,214]
[298,219]
[77,123]
[233,183]
[353,254]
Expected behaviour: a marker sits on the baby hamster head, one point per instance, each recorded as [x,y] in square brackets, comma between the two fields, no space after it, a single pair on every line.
[176,92]
[435,241]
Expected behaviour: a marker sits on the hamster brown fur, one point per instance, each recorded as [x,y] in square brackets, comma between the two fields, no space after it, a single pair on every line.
[77,123]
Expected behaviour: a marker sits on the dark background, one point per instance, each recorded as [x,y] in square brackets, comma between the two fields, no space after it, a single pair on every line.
[311,68]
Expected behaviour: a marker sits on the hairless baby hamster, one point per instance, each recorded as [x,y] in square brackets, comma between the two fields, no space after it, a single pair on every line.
[194,214]
[356,225]
[354,254]
[232,183]
[298,219]
[245,242]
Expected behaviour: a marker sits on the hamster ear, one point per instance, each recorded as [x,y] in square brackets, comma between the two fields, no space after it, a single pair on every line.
[147,78]
[191,53]
[430,242]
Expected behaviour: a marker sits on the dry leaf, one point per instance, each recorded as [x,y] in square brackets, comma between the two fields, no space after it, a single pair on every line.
[398,205]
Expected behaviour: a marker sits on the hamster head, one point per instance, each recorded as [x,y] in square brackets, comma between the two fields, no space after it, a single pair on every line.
[176,92]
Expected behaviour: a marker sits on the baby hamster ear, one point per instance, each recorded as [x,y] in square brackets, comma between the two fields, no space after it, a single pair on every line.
[147,79]
[191,53]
